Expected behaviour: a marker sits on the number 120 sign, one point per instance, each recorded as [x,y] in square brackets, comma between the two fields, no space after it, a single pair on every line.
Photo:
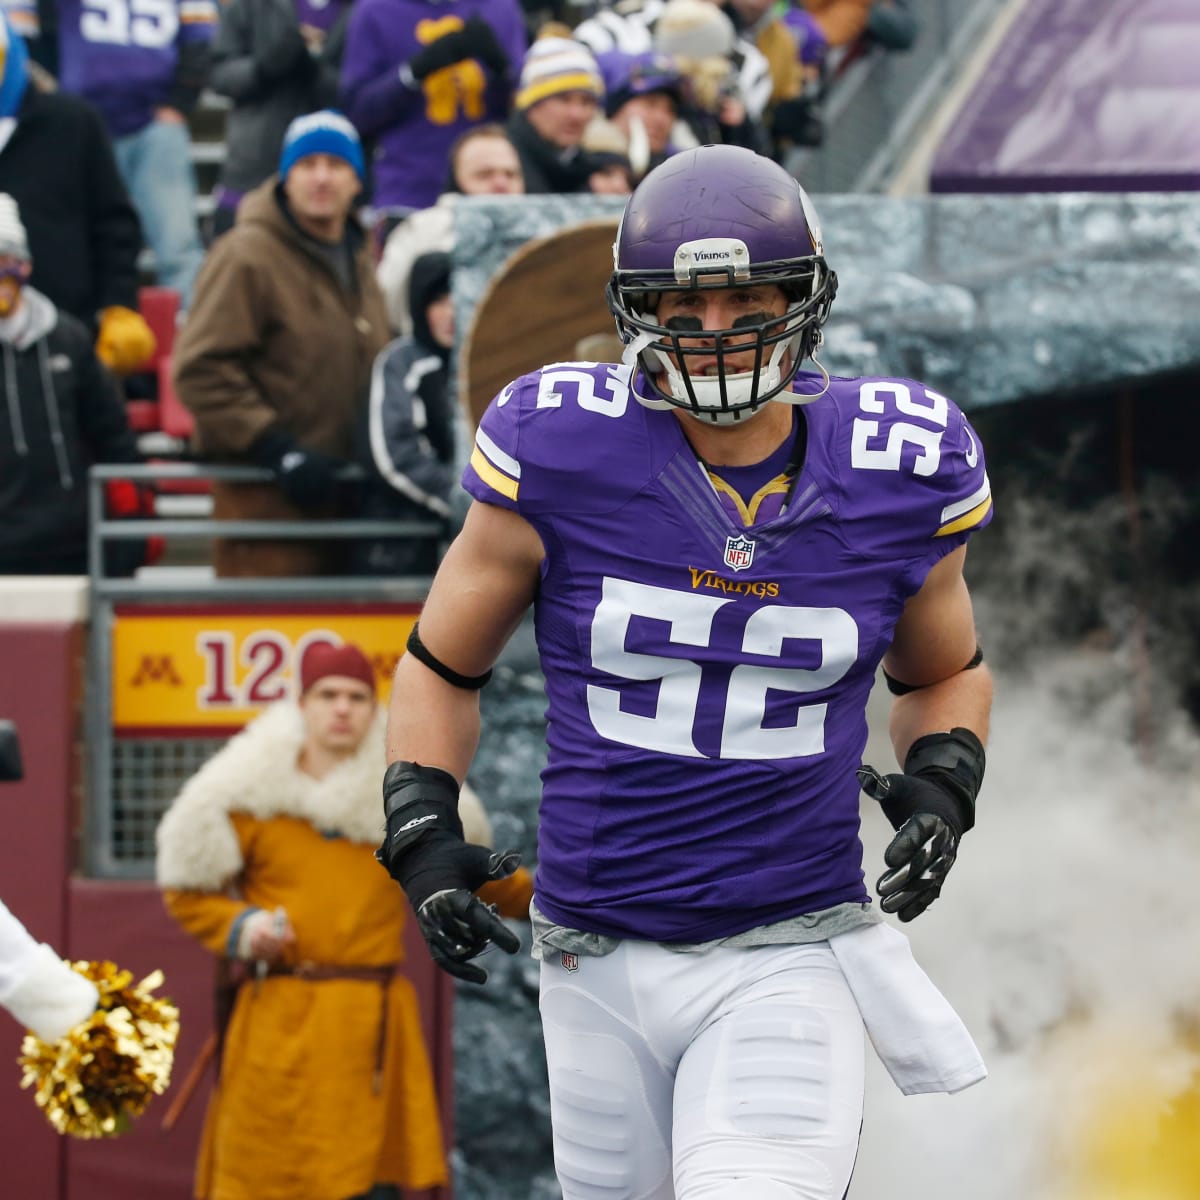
[203,672]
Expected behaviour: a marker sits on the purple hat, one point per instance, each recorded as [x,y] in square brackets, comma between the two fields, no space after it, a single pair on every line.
[629,75]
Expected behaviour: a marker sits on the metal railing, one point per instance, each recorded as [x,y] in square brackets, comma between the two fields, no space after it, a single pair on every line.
[132,780]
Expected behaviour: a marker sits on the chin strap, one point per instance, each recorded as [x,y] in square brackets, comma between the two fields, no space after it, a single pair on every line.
[808,397]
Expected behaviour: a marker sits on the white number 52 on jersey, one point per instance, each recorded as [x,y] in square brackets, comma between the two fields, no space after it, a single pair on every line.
[875,398]
[688,616]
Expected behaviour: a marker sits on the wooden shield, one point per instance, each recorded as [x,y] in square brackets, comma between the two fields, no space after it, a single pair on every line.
[546,304]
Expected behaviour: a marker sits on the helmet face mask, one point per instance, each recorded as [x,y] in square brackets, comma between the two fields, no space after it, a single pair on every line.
[716,218]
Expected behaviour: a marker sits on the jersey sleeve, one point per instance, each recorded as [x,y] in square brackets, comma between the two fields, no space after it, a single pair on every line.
[568,438]
[912,475]
[493,471]
[962,489]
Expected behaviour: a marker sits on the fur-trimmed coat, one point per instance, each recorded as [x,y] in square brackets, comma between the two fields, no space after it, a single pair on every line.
[295,1115]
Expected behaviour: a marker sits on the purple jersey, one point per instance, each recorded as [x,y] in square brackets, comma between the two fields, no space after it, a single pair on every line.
[413,128]
[121,54]
[706,679]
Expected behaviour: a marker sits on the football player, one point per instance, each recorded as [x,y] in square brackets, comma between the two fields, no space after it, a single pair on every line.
[721,544]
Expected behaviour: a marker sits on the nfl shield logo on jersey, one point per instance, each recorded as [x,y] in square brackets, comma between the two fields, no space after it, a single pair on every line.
[570,961]
[739,552]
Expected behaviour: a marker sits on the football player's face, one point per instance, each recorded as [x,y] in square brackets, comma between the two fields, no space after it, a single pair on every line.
[720,308]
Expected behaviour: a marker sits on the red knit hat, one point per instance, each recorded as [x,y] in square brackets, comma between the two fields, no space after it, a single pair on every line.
[323,658]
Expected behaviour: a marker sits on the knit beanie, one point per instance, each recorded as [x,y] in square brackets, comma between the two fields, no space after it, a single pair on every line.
[13,242]
[323,658]
[324,132]
[694,29]
[555,65]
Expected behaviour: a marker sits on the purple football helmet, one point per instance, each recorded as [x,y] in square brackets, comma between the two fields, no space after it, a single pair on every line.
[719,217]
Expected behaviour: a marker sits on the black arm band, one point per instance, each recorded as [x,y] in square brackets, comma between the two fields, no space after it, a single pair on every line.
[954,760]
[899,688]
[418,800]
[423,654]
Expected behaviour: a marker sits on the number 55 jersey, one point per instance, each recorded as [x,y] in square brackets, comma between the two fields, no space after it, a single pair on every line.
[707,678]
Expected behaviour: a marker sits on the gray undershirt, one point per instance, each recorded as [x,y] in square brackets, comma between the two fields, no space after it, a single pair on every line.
[809,927]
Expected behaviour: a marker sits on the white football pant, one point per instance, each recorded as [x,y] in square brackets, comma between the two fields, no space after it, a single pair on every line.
[733,1074]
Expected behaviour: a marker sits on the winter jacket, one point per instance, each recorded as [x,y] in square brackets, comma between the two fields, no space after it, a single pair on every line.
[407,442]
[260,61]
[411,126]
[297,1115]
[61,415]
[83,233]
[274,339]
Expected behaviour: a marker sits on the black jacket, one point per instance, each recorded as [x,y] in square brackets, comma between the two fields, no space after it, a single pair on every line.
[407,443]
[60,414]
[83,233]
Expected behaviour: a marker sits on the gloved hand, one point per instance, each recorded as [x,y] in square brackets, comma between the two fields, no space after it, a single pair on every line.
[474,40]
[286,55]
[931,805]
[125,343]
[126,500]
[307,477]
[798,121]
[424,851]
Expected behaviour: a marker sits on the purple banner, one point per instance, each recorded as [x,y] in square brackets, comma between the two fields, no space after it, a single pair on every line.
[1083,95]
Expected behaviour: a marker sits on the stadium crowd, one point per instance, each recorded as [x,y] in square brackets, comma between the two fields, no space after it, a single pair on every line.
[415,103]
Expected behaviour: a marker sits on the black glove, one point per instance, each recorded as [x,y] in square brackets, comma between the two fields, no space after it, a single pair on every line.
[286,55]
[307,477]
[797,121]
[474,40]
[931,806]
[424,851]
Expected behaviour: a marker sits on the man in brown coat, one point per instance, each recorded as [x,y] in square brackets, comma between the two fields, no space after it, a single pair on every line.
[275,358]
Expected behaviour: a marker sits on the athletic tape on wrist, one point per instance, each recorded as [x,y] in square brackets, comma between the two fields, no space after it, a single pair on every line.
[955,760]
[417,801]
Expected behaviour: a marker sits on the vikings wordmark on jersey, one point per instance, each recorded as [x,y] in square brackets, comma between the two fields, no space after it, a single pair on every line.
[726,665]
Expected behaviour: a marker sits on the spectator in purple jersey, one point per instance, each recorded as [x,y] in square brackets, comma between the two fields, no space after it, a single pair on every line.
[143,67]
[57,163]
[276,60]
[722,545]
[561,90]
[416,75]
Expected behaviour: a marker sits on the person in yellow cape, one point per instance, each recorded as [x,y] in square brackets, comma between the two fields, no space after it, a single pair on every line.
[267,857]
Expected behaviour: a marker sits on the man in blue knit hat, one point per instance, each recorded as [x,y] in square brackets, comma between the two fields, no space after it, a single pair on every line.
[275,358]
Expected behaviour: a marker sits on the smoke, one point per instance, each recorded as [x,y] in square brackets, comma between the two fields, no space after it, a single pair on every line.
[1066,936]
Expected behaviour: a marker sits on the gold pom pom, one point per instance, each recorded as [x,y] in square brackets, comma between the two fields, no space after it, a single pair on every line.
[95,1079]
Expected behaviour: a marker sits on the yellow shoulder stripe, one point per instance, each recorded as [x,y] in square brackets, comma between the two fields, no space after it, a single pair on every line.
[968,519]
[493,478]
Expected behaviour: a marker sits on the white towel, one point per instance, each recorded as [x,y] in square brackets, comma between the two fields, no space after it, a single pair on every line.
[913,1027]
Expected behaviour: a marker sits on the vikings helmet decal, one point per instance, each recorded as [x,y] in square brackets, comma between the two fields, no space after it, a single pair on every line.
[719,217]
